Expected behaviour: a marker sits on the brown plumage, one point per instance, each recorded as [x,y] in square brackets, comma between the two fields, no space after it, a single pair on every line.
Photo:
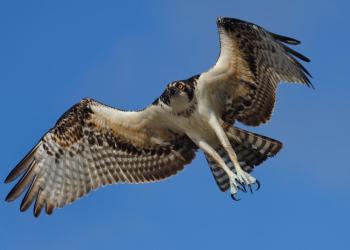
[81,154]
[260,60]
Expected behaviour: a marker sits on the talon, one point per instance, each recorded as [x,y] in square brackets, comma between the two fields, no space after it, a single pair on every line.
[242,188]
[234,197]
[258,185]
[250,188]
[240,183]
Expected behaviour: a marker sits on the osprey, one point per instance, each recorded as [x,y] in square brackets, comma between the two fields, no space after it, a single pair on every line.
[93,145]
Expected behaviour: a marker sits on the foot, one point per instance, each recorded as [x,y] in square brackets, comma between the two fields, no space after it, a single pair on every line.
[239,181]
[246,179]
[234,186]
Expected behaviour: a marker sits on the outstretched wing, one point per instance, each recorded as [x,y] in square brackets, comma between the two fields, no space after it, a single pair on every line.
[93,145]
[252,62]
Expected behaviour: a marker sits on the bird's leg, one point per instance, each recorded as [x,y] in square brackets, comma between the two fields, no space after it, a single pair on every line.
[232,176]
[242,177]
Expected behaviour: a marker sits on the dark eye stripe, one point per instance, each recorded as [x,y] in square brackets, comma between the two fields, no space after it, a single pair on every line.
[189,93]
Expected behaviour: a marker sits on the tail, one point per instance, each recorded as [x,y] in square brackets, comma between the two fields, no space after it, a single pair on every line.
[251,149]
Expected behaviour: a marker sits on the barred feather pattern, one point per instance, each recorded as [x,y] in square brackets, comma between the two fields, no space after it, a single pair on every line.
[259,61]
[77,156]
[251,149]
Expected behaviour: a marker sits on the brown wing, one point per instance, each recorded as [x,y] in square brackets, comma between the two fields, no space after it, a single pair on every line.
[252,62]
[93,145]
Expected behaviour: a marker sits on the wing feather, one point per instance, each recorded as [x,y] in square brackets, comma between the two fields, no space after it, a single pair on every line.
[251,64]
[93,145]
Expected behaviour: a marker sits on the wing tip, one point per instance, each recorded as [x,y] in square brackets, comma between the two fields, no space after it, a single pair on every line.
[39,203]
[284,39]
[8,198]
[30,196]
[8,179]
[296,54]
[22,184]
[49,208]
[309,83]
[22,166]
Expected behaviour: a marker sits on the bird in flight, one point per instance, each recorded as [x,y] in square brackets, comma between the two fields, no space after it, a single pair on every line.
[93,145]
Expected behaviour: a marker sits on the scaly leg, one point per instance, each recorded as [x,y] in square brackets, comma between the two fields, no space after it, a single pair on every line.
[242,177]
[232,176]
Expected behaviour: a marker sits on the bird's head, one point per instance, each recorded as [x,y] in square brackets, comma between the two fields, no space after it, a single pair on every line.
[178,95]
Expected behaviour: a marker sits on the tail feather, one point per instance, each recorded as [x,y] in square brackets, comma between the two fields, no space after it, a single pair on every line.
[251,149]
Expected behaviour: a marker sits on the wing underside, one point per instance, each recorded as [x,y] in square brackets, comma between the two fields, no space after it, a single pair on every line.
[90,147]
[251,64]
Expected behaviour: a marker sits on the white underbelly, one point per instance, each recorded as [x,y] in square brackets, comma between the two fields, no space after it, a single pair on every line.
[196,126]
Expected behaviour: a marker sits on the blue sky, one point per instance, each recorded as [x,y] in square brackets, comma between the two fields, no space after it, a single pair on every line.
[53,53]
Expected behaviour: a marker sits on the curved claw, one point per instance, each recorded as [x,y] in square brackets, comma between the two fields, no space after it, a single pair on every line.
[250,188]
[241,186]
[258,185]
[234,197]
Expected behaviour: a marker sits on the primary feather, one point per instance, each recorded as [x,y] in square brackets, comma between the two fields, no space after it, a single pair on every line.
[252,62]
[87,149]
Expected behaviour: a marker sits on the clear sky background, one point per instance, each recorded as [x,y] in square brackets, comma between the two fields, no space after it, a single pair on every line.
[123,53]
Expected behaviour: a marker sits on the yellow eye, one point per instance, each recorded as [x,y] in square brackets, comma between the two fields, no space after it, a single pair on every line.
[181,86]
